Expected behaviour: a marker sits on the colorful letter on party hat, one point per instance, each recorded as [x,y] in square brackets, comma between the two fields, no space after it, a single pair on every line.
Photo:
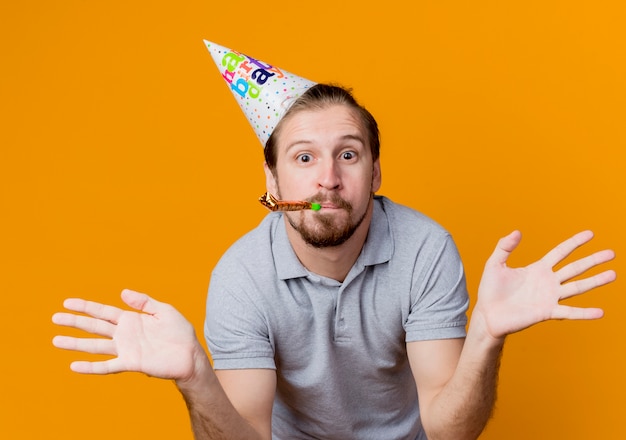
[264,92]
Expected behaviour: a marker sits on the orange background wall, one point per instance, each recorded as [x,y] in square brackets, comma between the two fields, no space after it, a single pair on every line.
[124,162]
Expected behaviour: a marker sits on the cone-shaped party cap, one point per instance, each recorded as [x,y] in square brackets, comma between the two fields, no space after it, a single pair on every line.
[264,92]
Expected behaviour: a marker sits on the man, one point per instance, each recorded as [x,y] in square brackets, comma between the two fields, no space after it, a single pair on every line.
[344,323]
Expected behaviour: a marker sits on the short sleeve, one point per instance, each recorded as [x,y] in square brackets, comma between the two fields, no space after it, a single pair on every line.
[235,328]
[439,297]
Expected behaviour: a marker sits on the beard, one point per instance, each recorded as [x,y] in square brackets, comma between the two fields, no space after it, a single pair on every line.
[326,230]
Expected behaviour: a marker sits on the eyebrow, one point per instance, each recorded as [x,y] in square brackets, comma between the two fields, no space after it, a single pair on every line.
[345,137]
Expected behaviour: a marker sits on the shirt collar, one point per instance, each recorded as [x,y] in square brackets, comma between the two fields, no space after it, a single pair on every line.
[377,249]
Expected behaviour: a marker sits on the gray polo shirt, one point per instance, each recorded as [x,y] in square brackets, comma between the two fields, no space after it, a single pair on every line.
[339,349]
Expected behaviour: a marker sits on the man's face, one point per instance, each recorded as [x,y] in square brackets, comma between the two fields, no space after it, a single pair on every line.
[323,156]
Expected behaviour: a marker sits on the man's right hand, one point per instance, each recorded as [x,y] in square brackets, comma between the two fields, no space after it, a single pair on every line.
[155,339]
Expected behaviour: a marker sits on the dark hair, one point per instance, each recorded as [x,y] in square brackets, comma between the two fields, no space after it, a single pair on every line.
[319,97]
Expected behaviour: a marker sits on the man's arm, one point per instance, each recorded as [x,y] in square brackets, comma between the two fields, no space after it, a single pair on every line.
[158,341]
[457,381]
[239,405]
[456,384]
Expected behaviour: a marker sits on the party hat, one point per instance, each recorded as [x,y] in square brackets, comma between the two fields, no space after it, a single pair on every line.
[264,92]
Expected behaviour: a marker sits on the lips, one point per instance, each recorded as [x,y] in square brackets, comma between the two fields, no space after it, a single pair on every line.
[331,201]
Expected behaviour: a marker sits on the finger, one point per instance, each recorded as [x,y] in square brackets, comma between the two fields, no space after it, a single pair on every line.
[505,246]
[581,266]
[577,313]
[141,301]
[86,345]
[85,323]
[562,250]
[97,310]
[581,286]
[102,367]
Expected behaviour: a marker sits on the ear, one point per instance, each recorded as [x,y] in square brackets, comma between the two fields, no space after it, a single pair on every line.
[270,180]
[376,176]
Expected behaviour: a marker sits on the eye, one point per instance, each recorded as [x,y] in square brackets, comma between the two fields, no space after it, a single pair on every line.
[304,158]
[348,155]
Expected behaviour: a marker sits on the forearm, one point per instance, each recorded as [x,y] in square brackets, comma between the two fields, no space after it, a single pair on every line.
[463,407]
[211,413]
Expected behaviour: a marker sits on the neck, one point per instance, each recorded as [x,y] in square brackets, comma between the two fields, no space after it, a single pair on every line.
[331,262]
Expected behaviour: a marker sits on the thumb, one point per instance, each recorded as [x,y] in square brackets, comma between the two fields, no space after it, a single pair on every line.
[140,301]
[503,249]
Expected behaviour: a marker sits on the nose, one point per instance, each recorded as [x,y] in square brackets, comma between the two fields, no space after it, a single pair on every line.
[329,175]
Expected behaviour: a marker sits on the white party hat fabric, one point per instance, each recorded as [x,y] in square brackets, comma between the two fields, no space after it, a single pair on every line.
[264,92]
